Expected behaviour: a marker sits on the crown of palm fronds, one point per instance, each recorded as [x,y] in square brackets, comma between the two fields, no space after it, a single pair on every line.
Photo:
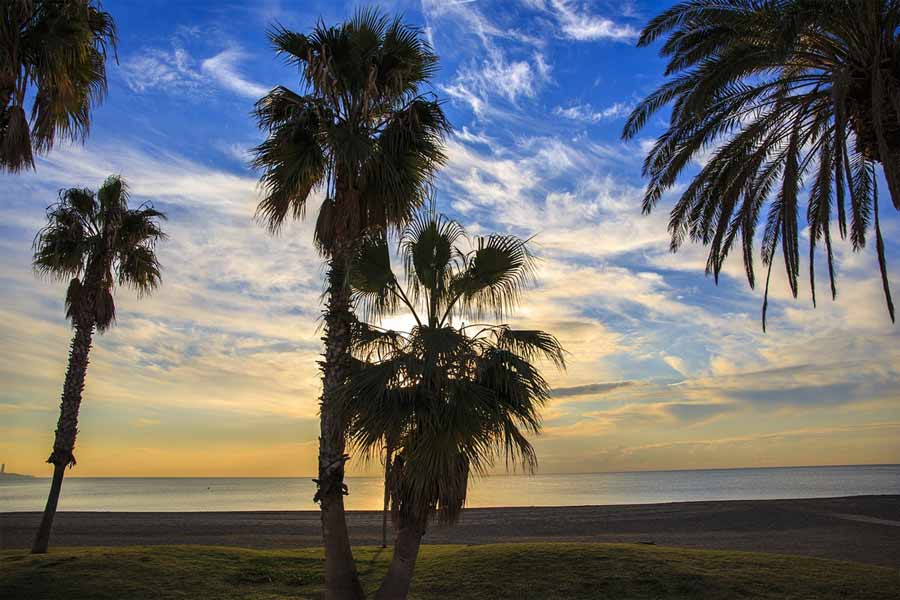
[443,281]
[359,121]
[97,242]
[58,49]
[785,91]
[450,399]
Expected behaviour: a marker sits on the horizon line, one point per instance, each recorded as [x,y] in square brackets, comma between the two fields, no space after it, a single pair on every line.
[686,470]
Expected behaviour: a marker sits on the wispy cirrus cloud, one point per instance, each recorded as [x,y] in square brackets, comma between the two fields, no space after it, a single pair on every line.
[158,69]
[588,114]
[177,71]
[576,22]
[223,68]
[502,63]
[512,80]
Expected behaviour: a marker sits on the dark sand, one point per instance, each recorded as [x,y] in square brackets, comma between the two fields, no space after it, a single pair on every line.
[862,528]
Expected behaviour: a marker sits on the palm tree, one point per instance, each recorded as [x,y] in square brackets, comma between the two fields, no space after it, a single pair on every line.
[96,242]
[54,52]
[448,398]
[783,90]
[362,132]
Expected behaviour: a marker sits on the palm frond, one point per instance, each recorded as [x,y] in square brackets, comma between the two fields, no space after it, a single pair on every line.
[429,256]
[409,150]
[371,278]
[292,158]
[451,400]
[531,344]
[59,51]
[97,242]
[360,130]
[769,88]
[818,216]
[882,261]
[496,274]
[112,196]
[371,343]
[139,268]
[64,245]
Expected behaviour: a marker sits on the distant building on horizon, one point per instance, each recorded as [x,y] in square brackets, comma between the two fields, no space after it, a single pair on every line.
[8,476]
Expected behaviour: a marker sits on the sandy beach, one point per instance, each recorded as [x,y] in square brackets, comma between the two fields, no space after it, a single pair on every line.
[861,528]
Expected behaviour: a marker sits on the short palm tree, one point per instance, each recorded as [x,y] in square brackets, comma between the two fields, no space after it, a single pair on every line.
[53,53]
[447,397]
[785,91]
[97,242]
[362,132]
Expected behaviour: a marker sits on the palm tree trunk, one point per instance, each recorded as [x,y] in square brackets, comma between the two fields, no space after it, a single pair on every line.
[42,541]
[395,585]
[885,116]
[387,494]
[67,427]
[891,168]
[341,579]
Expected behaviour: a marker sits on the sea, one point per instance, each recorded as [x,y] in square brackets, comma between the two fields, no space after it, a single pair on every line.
[366,493]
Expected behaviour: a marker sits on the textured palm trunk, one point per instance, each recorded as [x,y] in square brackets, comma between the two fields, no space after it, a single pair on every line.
[396,583]
[341,579]
[67,427]
[889,146]
[876,124]
[387,494]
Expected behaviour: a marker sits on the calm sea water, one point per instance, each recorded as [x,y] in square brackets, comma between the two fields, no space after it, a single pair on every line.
[195,494]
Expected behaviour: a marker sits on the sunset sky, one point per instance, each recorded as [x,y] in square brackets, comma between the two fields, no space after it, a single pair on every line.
[215,374]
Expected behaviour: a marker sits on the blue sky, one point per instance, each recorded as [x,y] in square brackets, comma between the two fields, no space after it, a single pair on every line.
[215,374]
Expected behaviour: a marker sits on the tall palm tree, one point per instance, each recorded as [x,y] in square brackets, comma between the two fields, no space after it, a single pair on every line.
[362,132]
[783,90]
[54,52]
[96,242]
[448,398]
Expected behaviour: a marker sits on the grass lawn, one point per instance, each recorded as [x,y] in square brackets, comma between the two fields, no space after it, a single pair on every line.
[520,571]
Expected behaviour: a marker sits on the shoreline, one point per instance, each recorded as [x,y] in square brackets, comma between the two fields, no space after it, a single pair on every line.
[856,528]
[467,509]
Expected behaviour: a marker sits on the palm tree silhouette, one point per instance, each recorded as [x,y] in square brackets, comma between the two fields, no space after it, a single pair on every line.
[98,242]
[447,398]
[783,91]
[54,52]
[363,133]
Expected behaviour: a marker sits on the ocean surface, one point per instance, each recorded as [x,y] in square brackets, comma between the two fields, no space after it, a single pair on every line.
[219,494]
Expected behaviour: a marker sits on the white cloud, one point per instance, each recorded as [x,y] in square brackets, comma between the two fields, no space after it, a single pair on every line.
[503,63]
[460,91]
[161,69]
[497,76]
[564,192]
[576,22]
[472,21]
[176,71]
[152,173]
[475,84]
[473,138]
[508,79]
[223,68]
[586,113]
[242,153]
[544,68]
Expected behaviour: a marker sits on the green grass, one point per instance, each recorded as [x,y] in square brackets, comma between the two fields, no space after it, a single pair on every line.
[520,571]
